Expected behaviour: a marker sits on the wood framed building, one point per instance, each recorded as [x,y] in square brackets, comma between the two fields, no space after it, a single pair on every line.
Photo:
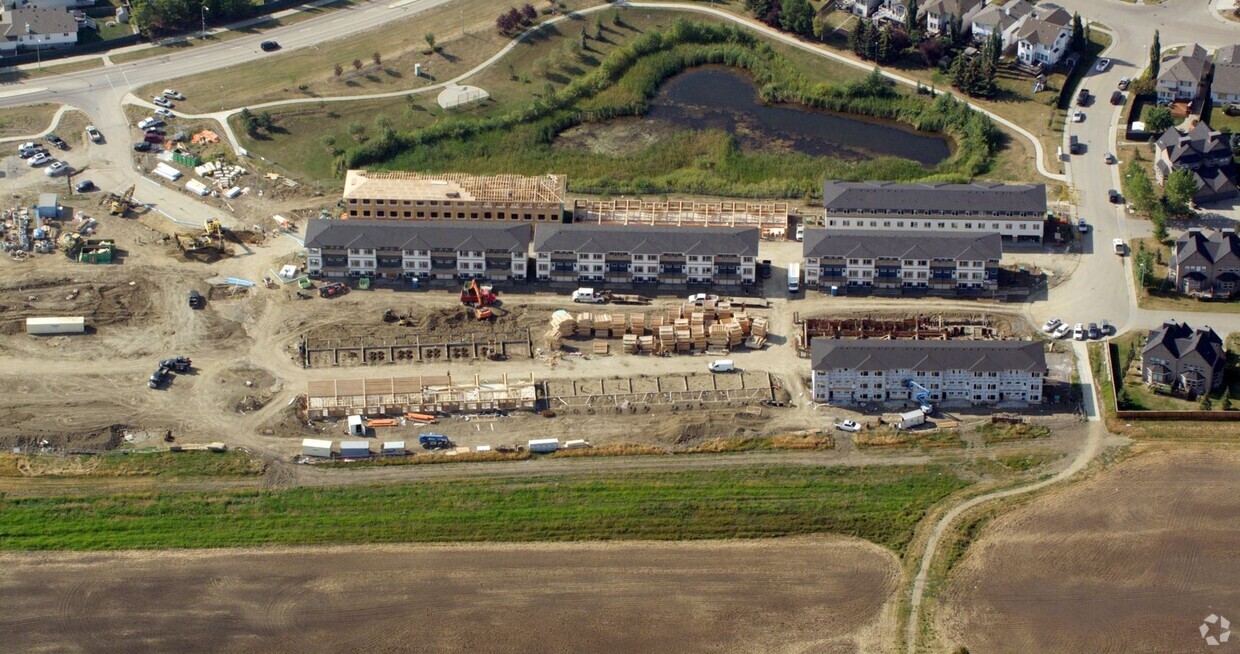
[396,396]
[453,196]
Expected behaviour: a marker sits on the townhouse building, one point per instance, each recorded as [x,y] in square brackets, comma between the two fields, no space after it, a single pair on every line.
[1202,150]
[415,196]
[602,254]
[974,372]
[34,28]
[1206,265]
[1183,358]
[1182,76]
[904,262]
[389,250]
[1016,211]
[1225,85]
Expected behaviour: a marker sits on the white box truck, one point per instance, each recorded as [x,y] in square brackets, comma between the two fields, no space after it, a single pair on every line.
[544,445]
[794,277]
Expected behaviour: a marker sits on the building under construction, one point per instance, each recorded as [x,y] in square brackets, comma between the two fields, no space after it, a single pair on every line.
[396,396]
[915,328]
[453,196]
[682,213]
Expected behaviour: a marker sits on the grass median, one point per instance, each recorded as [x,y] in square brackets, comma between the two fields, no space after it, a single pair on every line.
[880,504]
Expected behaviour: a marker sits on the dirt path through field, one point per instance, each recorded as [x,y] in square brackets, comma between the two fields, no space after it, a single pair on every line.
[787,595]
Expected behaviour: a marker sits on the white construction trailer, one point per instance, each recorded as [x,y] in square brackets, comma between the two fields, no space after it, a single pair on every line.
[316,447]
[51,326]
[544,445]
[354,449]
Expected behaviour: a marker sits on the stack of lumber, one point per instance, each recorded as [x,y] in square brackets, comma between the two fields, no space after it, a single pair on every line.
[697,336]
[601,347]
[735,335]
[617,325]
[667,338]
[630,344]
[683,337]
[637,324]
[585,324]
[645,343]
[718,338]
[602,325]
[759,326]
[563,323]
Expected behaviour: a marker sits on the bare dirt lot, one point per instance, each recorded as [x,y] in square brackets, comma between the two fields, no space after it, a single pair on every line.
[792,595]
[1132,560]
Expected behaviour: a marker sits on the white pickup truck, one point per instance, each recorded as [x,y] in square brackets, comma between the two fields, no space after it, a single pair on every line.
[1117,244]
[588,296]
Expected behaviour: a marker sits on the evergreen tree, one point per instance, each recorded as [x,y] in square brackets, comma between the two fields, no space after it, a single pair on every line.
[1227,399]
[1155,56]
[1180,187]
[912,21]
[869,42]
[1206,404]
[996,48]
[958,73]
[797,17]
[883,50]
[1078,33]
[856,38]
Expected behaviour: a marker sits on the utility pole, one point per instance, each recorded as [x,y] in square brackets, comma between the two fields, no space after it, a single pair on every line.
[462,22]
[203,15]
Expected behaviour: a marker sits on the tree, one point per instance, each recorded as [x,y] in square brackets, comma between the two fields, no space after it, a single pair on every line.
[1155,58]
[870,41]
[377,59]
[1226,406]
[1078,33]
[1123,398]
[264,121]
[996,48]
[856,37]
[1235,144]
[598,28]
[1180,186]
[430,40]
[882,51]
[1137,186]
[912,21]
[1160,228]
[931,51]
[1205,403]
[357,64]
[528,13]
[248,122]
[357,130]
[339,70]
[797,17]
[328,141]
[1158,120]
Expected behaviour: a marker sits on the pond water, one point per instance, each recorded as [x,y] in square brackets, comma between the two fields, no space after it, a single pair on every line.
[720,98]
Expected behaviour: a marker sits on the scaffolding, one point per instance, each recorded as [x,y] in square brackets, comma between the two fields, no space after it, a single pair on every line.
[396,396]
[683,213]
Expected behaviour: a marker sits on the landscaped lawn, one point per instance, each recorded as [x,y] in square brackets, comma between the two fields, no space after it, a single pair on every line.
[1144,398]
[1217,118]
[882,504]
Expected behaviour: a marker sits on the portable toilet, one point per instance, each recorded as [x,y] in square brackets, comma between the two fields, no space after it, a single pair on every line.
[316,447]
[357,426]
[354,449]
[392,448]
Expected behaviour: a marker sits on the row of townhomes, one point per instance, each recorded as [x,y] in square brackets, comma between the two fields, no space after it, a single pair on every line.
[1017,212]
[1185,359]
[32,26]
[1206,265]
[978,372]
[1040,34]
[450,249]
[894,261]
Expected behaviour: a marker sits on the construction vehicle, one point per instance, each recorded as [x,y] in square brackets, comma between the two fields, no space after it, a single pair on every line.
[178,363]
[118,205]
[590,296]
[922,396]
[210,239]
[479,297]
[333,289]
[434,441]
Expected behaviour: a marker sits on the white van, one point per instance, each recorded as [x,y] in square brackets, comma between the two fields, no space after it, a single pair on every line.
[722,365]
[794,277]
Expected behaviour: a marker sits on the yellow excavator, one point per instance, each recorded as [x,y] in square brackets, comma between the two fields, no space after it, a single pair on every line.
[119,204]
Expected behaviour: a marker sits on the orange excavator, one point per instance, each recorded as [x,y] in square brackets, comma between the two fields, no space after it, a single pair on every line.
[479,297]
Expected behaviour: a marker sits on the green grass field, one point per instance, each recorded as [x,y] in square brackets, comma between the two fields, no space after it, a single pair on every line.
[880,504]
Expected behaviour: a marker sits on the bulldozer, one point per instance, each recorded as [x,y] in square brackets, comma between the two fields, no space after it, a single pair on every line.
[210,238]
[119,205]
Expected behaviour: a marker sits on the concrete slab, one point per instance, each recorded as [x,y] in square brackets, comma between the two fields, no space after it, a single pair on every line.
[455,96]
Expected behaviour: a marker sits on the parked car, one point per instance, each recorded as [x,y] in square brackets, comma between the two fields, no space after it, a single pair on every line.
[94,134]
[1103,64]
[1114,196]
[155,130]
[163,102]
[269,46]
[196,300]
[1051,325]
[27,153]
[764,269]
[158,377]
[39,160]
[84,186]
[1117,245]
[722,365]
[141,146]
[165,113]
[1117,97]
[800,233]
[1094,332]
[1078,116]
[1078,332]
[1062,330]
[57,141]
[153,138]
[847,425]
[1107,328]
[1074,145]
[1123,83]
[57,168]
[147,122]
[1108,158]
[1082,98]
[1082,226]
[702,297]
[172,94]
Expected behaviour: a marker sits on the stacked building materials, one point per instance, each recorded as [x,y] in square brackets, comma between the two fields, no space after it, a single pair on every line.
[630,344]
[563,323]
[601,347]
[585,324]
[645,344]
[667,338]
[637,324]
[757,333]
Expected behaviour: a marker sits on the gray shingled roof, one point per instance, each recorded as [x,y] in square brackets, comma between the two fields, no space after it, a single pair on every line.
[1214,247]
[1201,142]
[418,235]
[880,244]
[928,356]
[957,8]
[40,20]
[1180,339]
[979,197]
[1226,70]
[739,241]
[1187,66]
[1227,55]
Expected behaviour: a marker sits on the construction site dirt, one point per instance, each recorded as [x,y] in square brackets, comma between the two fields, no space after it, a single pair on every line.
[792,594]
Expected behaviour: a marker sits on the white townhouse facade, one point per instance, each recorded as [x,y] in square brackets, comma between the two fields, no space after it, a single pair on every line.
[896,261]
[974,372]
[1016,211]
[383,249]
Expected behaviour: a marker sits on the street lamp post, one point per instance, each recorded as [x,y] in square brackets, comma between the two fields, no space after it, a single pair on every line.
[38,51]
[203,15]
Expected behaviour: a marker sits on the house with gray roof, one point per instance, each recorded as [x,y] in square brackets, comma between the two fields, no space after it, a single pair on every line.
[385,249]
[1005,19]
[1182,76]
[848,371]
[1206,265]
[1202,150]
[894,261]
[941,13]
[627,254]
[1183,358]
[1016,211]
[1043,36]
[1225,86]
[36,28]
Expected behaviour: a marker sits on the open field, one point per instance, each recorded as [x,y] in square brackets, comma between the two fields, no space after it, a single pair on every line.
[880,504]
[1131,560]
[28,120]
[815,594]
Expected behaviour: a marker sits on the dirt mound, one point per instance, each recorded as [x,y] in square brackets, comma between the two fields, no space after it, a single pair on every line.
[107,438]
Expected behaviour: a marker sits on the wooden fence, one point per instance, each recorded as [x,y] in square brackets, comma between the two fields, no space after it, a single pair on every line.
[1194,414]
